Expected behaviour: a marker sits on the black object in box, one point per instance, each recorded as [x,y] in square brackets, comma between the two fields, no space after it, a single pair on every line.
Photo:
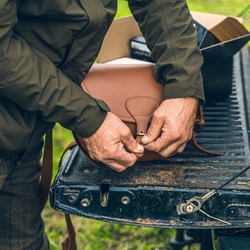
[139,49]
[205,38]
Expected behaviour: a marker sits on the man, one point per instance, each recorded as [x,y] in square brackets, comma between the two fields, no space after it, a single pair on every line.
[46,49]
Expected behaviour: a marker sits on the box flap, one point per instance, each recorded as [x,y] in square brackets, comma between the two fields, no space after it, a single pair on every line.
[209,20]
[116,41]
[228,29]
[220,51]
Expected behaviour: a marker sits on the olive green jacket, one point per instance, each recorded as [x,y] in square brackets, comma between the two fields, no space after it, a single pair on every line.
[48,46]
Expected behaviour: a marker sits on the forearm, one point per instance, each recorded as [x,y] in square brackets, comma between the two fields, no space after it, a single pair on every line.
[170,35]
[31,80]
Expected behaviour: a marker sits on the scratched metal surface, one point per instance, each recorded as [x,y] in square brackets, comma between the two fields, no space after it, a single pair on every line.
[156,188]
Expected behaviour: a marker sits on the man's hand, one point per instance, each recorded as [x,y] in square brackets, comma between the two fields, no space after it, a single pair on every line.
[113,144]
[171,127]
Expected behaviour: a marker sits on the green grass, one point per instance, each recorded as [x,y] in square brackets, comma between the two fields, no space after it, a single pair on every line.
[98,235]
[223,7]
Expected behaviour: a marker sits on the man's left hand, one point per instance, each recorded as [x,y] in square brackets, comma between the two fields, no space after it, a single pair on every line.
[171,127]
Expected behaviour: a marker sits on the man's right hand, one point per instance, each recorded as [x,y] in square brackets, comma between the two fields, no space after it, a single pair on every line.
[113,144]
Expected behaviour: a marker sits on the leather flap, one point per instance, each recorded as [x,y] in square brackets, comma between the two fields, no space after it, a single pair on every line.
[133,81]
[141,109]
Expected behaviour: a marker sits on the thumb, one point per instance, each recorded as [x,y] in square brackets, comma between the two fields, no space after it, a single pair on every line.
[153,132]
[132,146]
[139,151]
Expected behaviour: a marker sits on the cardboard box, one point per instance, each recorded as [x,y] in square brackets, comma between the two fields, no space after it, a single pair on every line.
[219,37]
[229,36]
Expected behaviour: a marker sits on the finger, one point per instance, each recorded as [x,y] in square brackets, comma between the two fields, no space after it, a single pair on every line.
[164,140]
[136,149]
[120,165]
[167,147]
[116,167]
[181,148]
[131,145]
[154,131]
[117,157]
[172,149]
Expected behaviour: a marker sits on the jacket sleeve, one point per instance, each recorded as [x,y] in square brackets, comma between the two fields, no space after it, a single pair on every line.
[31,80]
[171,37]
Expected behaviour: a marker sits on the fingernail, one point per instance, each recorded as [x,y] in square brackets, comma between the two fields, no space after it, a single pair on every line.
[140,148]
[144,139]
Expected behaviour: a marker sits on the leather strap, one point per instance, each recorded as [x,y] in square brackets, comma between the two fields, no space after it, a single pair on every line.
[69,243]
[197,147]
[47,169]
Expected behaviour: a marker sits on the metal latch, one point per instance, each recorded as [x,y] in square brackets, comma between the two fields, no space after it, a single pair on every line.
[104,194]
[194,204]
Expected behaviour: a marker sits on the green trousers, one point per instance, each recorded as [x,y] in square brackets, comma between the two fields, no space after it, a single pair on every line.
[21,225]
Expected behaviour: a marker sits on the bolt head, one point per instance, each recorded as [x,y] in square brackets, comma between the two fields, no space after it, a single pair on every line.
[85,202]
[189,208]
[125,200]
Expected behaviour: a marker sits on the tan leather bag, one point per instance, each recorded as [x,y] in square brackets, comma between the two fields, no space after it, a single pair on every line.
[131,92]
